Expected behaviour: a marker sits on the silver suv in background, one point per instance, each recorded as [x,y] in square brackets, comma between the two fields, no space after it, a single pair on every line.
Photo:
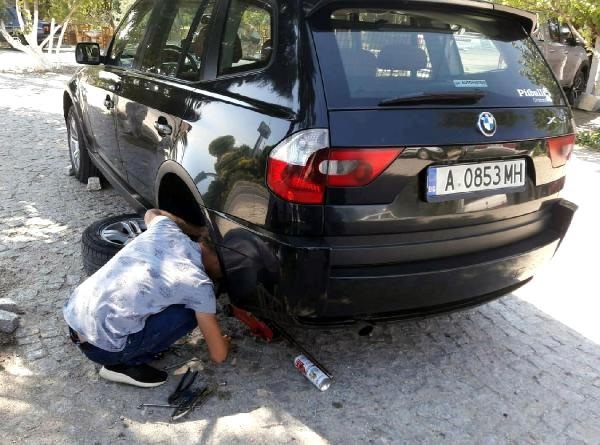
[566,55]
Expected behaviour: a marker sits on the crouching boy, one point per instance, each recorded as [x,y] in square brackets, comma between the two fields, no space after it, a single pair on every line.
[151,293]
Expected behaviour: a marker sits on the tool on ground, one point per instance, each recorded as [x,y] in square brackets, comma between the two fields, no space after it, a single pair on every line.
[191,400]
[154,405]
[187,380]
[179,364]
[186,399]
[257,328]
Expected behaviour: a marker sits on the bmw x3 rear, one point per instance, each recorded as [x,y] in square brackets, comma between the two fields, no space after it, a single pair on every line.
[435,184]
[353,160]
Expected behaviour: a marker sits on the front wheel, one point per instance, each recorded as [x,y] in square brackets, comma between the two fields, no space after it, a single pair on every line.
[578,87]
[82,166]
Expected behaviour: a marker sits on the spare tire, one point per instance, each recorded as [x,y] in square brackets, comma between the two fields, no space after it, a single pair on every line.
[102,240]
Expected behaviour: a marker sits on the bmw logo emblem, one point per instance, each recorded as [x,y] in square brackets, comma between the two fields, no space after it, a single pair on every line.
[487,124]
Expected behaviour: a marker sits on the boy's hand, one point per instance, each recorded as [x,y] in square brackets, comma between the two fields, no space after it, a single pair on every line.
[218,344]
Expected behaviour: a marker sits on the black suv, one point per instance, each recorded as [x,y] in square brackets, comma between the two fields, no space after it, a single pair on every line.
[353,160]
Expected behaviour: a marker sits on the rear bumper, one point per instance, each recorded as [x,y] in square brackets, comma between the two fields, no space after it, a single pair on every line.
[344,280]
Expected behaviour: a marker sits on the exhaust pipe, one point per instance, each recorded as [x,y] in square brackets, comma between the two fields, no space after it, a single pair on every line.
[365,329]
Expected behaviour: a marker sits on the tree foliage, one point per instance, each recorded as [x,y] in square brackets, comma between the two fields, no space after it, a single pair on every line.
[584,15]
[96,13]
[60,13]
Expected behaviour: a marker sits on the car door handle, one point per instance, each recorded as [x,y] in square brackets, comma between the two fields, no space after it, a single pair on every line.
[162,128]
[108,103]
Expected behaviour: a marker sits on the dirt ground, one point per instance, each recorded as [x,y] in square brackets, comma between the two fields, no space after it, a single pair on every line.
[523,369]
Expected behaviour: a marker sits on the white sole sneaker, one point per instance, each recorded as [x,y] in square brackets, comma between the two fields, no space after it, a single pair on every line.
[123,378]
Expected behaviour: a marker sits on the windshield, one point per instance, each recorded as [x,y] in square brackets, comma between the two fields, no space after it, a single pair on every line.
[369,56]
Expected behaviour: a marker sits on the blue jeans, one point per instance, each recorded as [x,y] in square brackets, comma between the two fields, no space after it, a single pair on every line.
[160,331]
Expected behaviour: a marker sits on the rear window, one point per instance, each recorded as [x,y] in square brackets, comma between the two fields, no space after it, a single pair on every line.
[371,55]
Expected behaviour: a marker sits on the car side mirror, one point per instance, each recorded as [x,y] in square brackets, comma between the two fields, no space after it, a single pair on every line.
[567,36]
[88,53]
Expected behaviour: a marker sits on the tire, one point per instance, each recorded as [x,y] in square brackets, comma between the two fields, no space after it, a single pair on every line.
[97,250]
[82,165]
[577,88]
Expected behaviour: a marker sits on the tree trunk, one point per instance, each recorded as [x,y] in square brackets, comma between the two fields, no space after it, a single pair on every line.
[20,17]
[593,85]
[34,27]
[41,60]
[65,25]
[51,36]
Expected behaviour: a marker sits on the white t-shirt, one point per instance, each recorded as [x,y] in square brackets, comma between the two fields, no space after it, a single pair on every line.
[160,268]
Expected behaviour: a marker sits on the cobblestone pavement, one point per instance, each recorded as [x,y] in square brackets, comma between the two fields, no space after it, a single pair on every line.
[524,369]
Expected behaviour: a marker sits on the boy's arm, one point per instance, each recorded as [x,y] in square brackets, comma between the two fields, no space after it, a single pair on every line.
[218,345]
[187,228]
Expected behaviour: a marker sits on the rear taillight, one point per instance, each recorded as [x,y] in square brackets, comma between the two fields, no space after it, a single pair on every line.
[293,172]
[46,29]
[560,149]
[356,167]
[302,166]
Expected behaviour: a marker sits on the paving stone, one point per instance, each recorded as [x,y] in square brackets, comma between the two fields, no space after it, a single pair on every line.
[6,304]
[9,322]
[36,354]
[93,184]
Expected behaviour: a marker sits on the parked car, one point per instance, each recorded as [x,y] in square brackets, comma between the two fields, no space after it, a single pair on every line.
[566,55]
[292,129]
[12,26]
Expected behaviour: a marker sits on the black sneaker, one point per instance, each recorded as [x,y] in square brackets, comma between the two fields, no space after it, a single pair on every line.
[144,376]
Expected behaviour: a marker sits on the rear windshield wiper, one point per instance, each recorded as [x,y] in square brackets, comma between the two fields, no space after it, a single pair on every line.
[451,96]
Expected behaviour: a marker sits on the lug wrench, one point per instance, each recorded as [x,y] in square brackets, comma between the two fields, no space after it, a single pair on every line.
[154,405]
[177,365]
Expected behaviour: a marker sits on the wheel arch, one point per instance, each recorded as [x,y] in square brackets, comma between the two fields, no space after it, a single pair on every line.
[176,192]
[67,103]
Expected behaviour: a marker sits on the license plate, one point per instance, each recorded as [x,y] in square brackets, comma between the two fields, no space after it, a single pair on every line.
[470,180]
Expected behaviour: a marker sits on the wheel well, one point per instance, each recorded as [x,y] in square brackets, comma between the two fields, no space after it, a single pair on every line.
[175,197]
[67,103]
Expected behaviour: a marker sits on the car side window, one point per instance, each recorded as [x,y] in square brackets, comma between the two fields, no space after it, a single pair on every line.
[130,35]
[247,42]
[178,48]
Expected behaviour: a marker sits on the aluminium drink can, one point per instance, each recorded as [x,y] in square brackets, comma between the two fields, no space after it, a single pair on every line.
[312,372]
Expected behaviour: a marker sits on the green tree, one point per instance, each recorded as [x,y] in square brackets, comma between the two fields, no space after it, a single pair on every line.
[60,13]
[26,38]
[582,15]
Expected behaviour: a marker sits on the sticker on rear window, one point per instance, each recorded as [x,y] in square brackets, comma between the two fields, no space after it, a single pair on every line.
[470,83]
[537,95]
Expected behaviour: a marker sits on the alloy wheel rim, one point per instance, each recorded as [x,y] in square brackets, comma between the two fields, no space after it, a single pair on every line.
[74,145]
[121,233]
